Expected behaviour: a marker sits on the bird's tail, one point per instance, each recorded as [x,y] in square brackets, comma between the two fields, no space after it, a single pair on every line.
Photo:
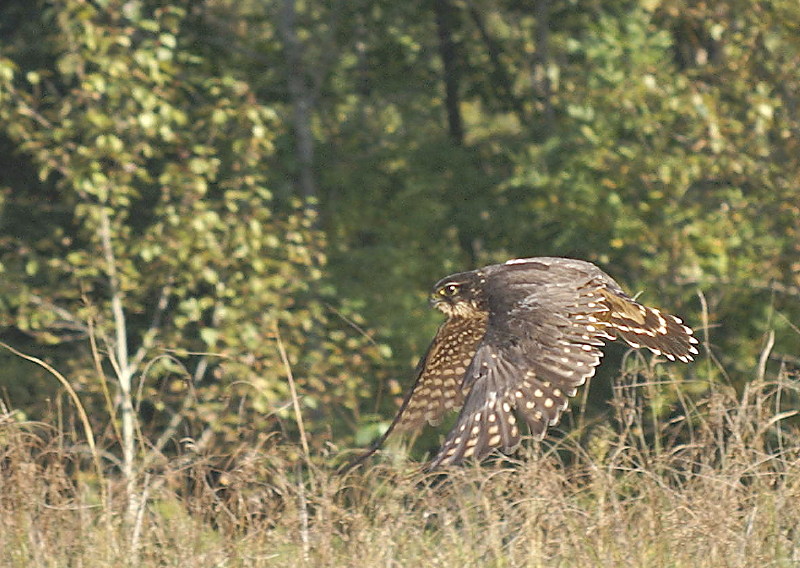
[641,326]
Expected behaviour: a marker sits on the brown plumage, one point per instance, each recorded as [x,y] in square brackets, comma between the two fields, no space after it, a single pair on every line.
[519,340]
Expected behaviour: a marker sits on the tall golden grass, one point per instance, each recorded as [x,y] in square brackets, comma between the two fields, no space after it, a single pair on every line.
[716,483]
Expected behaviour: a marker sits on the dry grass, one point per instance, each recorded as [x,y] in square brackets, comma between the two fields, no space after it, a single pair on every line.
[715,485]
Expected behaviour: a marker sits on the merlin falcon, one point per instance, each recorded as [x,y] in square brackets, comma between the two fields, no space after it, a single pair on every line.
[519,340]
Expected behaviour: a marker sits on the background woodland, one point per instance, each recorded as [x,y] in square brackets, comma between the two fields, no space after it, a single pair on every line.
[220,220]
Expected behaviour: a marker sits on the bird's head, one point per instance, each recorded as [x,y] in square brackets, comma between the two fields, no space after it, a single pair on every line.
[459,295]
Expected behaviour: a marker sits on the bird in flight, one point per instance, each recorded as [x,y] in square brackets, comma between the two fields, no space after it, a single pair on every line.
[519,340]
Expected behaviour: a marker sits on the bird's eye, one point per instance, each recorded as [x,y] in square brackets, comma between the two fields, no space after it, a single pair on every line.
[449,290]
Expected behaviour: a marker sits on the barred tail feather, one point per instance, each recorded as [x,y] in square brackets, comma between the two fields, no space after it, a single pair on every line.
[641,326]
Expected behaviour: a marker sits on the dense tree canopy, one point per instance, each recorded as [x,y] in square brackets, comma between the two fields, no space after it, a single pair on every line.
[189,187]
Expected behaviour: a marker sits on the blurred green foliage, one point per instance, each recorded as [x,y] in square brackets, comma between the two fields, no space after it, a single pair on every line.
[659,139]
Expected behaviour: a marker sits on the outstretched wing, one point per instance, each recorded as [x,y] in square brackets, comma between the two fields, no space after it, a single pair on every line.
[439,378]
[541,343]
[548,318]
[440,373]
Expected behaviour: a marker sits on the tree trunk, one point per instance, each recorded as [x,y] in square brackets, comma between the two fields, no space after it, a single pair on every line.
[445,16]
[301,100]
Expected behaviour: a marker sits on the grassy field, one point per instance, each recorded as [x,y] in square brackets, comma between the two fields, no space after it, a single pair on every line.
[717,484]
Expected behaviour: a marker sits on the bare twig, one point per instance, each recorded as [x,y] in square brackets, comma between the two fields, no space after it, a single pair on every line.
[87,426]
[175,421]
[352,324]
[101,376]
[152,331]
[68,319]
[293,391]
[762,360]
[139,520]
